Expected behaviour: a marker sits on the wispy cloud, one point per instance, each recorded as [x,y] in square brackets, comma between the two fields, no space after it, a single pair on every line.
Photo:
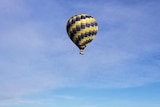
[37,55]
[12,9]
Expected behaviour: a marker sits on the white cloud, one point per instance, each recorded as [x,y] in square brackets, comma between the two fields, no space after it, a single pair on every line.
[35,58]
[22,37]
[13,7]
[67,97]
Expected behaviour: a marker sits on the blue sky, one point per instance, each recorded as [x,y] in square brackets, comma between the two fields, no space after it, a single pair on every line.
[41,67]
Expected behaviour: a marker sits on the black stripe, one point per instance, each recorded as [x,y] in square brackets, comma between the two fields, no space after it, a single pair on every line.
[78,18]
[83,26]
[88,24]
[96,24]
[83,17]
[78,28]
[87,34]
[74,31]
[73,21]
[71,36]
[87,41]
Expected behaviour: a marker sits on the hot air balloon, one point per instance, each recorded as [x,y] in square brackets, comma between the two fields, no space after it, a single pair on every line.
[82,29]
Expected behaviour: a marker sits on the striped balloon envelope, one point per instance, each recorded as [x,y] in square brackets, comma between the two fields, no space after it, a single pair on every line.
[82,29]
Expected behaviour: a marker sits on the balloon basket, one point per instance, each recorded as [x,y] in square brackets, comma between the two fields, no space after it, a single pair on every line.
[81,51]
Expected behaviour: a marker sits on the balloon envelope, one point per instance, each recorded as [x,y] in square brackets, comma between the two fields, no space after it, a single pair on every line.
[82,29]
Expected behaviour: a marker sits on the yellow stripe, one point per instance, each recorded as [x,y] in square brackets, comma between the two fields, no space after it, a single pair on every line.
[82,21]
[86,39]
[74,18]
[78,23]
[95,28]
[83,31]
[70,21]
[90,20]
